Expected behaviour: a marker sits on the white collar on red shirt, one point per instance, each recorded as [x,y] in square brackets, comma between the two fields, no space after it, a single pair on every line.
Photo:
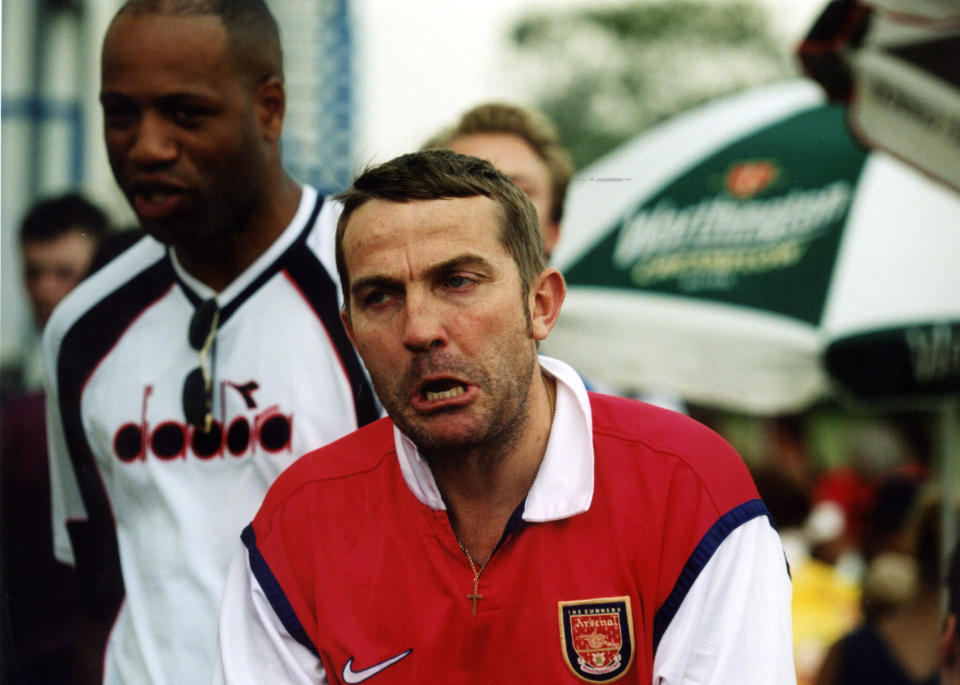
[564,484]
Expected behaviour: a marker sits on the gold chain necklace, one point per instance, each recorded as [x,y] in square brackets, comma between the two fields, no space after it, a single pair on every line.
[476,576]
[475,596]
[550,397]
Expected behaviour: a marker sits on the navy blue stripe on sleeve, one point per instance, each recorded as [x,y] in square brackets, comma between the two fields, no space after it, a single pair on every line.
[274,592]
[711,540]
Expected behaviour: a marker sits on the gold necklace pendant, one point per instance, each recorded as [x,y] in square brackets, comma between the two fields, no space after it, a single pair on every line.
[475,596]
[551,397]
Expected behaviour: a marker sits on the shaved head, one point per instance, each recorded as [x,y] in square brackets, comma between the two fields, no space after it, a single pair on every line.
[252,32]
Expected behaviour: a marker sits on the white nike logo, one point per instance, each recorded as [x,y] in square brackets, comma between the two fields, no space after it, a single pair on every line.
[351,676]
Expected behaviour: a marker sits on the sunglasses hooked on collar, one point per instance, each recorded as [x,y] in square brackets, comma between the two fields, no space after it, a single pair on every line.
[198,385]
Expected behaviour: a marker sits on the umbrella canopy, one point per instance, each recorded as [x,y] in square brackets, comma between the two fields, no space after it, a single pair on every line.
[719,254]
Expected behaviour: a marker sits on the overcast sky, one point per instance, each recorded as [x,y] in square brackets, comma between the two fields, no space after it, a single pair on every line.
[422,62]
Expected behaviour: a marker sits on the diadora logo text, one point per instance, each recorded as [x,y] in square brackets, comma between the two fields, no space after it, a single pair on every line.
[267,429]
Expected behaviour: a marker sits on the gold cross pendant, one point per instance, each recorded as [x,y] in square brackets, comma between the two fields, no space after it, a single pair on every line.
[476,577]
[476,595]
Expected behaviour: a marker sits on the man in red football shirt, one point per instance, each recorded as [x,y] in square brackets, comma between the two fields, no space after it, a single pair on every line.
[502,522]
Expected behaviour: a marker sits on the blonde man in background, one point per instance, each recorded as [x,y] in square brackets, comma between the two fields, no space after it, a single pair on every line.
[523,145]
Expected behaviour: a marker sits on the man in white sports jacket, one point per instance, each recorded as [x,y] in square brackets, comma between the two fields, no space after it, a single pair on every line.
[191,370]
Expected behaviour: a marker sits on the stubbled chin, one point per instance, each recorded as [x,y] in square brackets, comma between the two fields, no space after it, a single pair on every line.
[443,427]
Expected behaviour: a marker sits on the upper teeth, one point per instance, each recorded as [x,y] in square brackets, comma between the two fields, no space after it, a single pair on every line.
[444,394]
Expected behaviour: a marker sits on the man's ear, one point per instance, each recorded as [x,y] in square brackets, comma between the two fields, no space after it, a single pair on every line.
[546,298]
[270,101]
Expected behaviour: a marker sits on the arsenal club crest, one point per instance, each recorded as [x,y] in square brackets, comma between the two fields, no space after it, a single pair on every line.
[597,638]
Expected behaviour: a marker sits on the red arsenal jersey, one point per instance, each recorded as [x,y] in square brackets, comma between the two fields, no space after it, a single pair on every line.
[367,576]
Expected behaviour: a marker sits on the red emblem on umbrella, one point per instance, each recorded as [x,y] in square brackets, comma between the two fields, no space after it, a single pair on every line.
[746,179]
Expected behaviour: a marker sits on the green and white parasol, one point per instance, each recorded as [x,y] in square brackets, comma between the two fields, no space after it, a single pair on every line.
[750,255]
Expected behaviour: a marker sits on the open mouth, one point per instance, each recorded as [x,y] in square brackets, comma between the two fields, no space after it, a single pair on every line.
[156,200]
[156,195]
[442,389]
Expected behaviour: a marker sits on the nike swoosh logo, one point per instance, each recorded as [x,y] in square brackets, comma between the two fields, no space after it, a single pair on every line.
[351,676]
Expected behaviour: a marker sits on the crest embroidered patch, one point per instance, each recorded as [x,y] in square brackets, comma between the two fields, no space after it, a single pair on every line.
[596,636]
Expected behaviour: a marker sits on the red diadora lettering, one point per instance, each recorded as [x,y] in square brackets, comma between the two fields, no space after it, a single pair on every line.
[237,436]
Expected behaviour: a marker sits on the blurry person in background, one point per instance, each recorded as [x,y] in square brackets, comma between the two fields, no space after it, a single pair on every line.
[523,145]
[788,446]
[58,238]
[950,637]
[897,642]
[825,602]
[876,451]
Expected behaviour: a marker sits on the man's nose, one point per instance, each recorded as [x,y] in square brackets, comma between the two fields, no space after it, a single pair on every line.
[154,141]
[423,324]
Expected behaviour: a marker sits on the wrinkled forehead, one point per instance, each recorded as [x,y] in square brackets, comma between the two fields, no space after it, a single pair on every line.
[418,230]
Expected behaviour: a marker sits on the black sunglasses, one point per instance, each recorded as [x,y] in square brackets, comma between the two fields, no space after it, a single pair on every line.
[198,386]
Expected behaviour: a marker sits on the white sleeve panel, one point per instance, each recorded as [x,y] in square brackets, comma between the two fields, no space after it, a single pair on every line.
[734,624]
[253,647]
